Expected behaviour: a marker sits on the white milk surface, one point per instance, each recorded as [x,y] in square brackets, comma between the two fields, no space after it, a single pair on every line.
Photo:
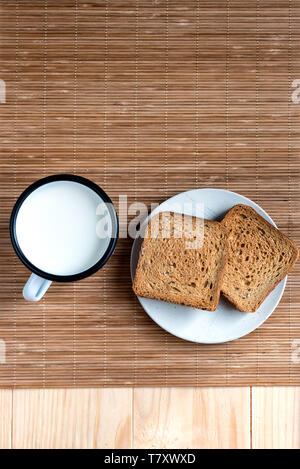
[56,228]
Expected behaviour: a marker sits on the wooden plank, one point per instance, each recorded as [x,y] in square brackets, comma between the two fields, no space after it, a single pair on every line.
[276,418]
[5,418]
[191,418]
[78,418]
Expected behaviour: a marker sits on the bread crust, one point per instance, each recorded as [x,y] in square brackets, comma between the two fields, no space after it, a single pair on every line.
[226,222]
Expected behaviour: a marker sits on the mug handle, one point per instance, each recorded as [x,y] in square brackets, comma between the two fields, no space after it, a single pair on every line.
[35,288]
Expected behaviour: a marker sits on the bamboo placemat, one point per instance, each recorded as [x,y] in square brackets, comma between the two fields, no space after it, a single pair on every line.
[148,99]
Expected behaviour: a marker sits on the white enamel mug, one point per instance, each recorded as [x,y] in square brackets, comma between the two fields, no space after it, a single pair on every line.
[63,228]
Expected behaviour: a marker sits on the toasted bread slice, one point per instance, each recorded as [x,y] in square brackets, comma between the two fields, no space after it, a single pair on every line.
[171,269]
[259,257]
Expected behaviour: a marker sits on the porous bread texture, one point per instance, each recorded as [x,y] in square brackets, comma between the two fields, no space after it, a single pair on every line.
[259,258]
[169,270]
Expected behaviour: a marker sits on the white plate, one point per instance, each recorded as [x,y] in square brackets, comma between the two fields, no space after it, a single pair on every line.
[207,327]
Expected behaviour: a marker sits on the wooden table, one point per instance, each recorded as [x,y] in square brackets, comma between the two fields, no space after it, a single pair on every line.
[144,418]
[151,418]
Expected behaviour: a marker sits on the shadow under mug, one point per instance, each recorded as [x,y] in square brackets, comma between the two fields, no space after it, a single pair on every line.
[40,280]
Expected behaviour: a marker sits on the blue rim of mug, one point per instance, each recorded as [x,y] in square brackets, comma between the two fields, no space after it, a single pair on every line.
[91,270]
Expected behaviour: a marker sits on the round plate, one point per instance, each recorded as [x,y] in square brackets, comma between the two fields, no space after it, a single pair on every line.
[206,327]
